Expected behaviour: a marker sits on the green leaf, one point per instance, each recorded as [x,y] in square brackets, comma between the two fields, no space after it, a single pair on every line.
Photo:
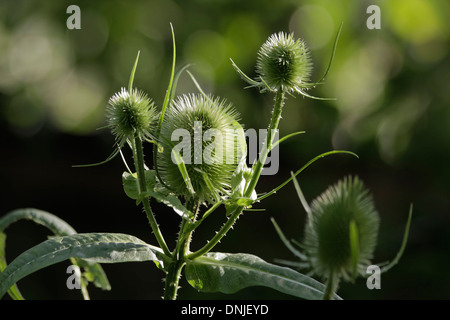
[169,88]
[46,219]
[229,273]
[93,247]
[13,292]
[182,167]
[131,187]
[94,273]
[131,183]
[172,201]
[60,228]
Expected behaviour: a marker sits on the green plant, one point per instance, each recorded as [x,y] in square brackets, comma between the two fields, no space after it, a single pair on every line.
[194,178]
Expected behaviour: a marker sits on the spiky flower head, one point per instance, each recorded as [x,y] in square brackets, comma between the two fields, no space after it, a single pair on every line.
[342,229]
[131,113]
[284,63]
[204,132]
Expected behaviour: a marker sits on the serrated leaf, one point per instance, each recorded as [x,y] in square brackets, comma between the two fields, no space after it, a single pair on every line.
[229,273]
[93,247]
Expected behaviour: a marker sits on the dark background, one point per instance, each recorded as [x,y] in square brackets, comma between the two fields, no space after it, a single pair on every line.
[392,109]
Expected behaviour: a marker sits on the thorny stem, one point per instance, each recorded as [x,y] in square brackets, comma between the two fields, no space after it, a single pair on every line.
[179,256]
[138,155]
[273,126]
[332,284]
[219,235]
[172,279]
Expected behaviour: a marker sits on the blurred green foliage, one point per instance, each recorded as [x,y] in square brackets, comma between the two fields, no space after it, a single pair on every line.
[391,108]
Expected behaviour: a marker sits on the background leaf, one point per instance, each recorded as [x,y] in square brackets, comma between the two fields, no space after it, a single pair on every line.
[48,220]
[131,184]
[93,271]
[13,292]
[94,247]
[229,273]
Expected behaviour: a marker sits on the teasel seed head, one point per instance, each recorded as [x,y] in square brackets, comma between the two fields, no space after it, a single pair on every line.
[284,63]
[343,213]
[131,113]
[209,167]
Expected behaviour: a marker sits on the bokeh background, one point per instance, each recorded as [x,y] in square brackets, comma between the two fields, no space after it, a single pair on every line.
[392,109]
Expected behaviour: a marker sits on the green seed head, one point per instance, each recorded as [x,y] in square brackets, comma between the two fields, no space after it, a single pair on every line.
[131,113]
[341,208]
[284,63]
[203,131]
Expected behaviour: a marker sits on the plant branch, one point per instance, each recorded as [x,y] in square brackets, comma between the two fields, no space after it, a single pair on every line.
[331,286]
[138,155]
[273,126]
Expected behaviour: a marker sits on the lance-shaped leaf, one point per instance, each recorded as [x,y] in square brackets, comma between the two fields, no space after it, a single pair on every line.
[46,219]
[13,292]
[92,271]
[93,247]
[229,273]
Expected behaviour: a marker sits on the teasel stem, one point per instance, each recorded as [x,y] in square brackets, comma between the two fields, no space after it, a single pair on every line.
[138,155]
[273,126]
[179,255]
[331,286]
[219,235]
[172,279]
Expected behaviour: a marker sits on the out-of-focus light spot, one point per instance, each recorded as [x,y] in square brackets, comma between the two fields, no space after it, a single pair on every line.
[77,101]
[30,56]
[416,21]
[422,26]
[314,24]
[206,50]
[91,39]
[357,83]
[26,118]
[244,37]
[35,53]
[361,79]
[393,132]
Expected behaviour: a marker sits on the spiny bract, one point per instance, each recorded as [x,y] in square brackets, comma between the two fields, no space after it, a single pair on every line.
[204,131]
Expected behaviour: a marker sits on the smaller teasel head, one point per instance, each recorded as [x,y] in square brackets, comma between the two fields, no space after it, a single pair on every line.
[341,231]
[284,63]
[131,113]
